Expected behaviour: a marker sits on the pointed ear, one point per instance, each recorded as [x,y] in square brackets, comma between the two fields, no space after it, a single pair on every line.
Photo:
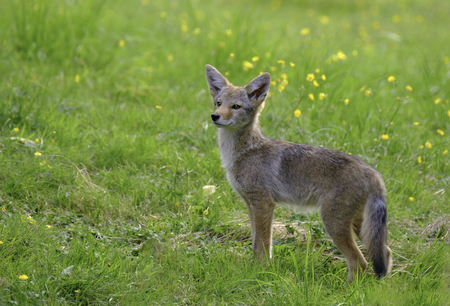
[216,81]
[258,88]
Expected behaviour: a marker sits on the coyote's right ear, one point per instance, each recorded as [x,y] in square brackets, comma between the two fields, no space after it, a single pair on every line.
[216,81]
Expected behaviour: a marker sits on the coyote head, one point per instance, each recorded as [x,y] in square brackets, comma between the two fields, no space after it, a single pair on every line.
[236,107]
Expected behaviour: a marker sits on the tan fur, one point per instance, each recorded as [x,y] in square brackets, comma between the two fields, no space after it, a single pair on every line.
[349,194]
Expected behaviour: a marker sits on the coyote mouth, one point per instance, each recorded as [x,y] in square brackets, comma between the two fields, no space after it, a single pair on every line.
[221,125]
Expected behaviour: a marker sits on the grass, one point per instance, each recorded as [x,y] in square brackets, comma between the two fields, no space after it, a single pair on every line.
[106,143]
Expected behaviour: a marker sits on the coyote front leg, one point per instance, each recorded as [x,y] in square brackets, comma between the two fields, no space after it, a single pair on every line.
[260,213]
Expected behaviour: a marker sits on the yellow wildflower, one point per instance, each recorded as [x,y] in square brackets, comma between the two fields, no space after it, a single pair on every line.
[184,27]
[324,19]
[385,137]
[273,83]
[197,31]
[280,88]
[355,53]
[1,242]
[346,101]
[305,31]
[282,63]
[206,212]
[437,101]
[16,130]
[231,54]
[246,65]
[48,226]
[3,208]
[158,107]
[411,199]
[311,96]
[367,92]
[323,77]
[121,43]
[77,79]
[37,153]
[408,87]
[163,14]
[445,152]
[77,291]
[23,277]
[448,113]
[170,58]
[228,32]
[322,96]
[419,159]
[428,145]
[36,140]
[362,88]
[284,76]
[255,58]
[341,55]
[317,70]
[440,132]
[420,147]
[297,113]
[391,78]
[310,77]
[292,64]
[315,83]
[416,123]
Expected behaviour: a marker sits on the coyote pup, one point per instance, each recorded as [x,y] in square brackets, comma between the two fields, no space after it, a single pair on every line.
[349,193]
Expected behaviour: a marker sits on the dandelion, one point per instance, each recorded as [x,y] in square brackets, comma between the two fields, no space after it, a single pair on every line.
[280,88]
[23,277]
[177,204]
[196,31]
[440,132]
[3,208]
[36,140]
[341,55]
[158,107]
[184,27]
[317,70]
[297,113]
[284,76]
[170,58]
[268,55]
[227,73]
[346,102]
[121,43]
[311,96]
[48,226]
[273,83]
[163,14]
[385,136]
[16,130]
[292,64]
[282,63]
[416,123]
[77,291]
[37,153]
[231,54]
[315,83]
[420,147]
[322,96]
[53,141]
[367,92]
[408,88]
[445,152]
[391,79]
[428,145]
[324,19]
[228,32]
[419,159]
[310,77]
[206,212]
[246,65]
[448,113]
[255,58]
[323,77]
[411,199]
[1,242]
[77,78]
[305,31]
[437,101]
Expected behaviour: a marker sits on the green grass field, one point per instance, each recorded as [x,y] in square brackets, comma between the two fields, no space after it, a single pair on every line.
[106,144]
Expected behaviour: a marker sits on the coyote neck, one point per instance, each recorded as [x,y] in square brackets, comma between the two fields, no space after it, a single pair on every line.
[233,143]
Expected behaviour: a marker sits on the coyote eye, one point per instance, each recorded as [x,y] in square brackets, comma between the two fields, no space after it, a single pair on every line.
[218,103]
[236,106]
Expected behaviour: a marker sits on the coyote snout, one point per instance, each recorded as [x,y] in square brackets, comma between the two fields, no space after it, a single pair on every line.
[349,194]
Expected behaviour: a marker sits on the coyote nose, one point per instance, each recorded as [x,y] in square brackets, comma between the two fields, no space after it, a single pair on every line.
[215,117]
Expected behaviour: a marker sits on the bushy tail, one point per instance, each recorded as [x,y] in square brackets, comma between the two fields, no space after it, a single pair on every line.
[374,234]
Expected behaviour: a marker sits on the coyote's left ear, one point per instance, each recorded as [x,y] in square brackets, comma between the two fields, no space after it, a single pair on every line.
[257,89]
[216,81]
